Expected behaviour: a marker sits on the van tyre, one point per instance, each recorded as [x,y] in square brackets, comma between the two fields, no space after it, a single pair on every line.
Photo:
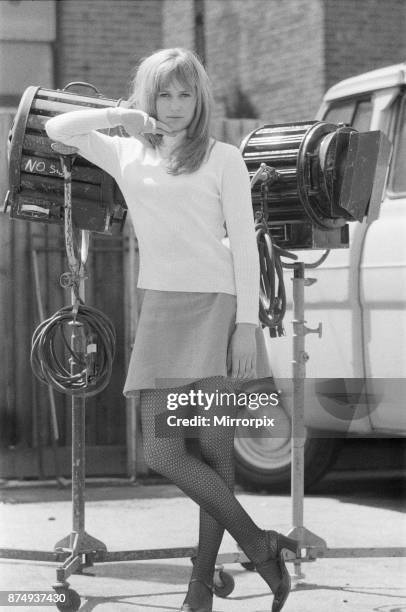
[259,467]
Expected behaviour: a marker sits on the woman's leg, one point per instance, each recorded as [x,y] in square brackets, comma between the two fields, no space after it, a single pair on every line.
[217,450]
[167,455]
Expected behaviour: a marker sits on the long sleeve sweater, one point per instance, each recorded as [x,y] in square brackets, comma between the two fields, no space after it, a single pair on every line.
[180,220]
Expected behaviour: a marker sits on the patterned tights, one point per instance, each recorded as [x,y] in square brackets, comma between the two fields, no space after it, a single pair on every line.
[208,480]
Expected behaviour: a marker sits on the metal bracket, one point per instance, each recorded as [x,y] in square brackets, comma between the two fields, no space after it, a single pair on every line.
[63,149]
[314,330]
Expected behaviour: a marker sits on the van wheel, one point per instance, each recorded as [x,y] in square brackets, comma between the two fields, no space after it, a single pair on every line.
[265,462]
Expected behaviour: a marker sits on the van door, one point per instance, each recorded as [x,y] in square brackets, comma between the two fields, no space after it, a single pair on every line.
[383,293]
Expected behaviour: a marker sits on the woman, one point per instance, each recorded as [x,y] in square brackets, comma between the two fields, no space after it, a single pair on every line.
[198,329]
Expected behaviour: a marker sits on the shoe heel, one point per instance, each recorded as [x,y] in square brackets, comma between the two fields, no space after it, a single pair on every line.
[289,543]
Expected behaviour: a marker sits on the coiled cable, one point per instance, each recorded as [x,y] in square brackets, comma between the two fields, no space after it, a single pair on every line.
[272,296]
[272,293]
[83,335]
[272,300]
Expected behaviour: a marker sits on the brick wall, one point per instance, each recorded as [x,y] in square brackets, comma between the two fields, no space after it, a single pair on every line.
[101,42]
[271,51]
[270,58]
[178,24]
[363,35]
[279,56]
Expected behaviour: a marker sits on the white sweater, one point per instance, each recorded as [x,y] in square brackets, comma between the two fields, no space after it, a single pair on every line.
[178,219]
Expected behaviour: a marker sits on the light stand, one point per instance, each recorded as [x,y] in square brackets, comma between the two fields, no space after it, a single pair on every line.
[78,543]
[300,357]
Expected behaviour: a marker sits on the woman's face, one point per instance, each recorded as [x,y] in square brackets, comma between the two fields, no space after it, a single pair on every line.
[175,105]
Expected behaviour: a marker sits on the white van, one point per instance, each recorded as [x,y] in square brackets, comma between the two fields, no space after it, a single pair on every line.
[359,298]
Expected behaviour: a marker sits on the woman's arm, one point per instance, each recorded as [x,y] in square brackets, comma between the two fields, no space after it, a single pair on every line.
[79,129]
[238,213]
[68,126]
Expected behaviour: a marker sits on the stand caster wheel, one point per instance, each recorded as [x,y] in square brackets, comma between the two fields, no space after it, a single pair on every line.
[223,583]
[71,602]
[249,566]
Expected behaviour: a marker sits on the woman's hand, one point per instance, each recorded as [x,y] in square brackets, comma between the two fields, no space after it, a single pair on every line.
[137,122]
[242,350]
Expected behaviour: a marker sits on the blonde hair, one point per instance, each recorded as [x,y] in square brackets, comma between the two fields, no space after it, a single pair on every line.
[156,72]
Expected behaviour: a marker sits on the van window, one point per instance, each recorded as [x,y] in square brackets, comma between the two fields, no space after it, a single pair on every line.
[398,178]
[356,113]
[341,112]
[362,116]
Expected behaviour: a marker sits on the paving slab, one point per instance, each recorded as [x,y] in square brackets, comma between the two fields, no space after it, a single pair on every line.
[135,517]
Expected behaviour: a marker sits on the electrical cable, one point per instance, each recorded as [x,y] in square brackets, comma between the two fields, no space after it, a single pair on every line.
[272,294]
[90,361]
[308,266]
[80,334]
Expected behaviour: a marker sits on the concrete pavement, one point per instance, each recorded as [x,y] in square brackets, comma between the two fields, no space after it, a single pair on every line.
[132,517]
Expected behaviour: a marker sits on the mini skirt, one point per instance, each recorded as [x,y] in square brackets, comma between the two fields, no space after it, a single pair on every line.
[182,337]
